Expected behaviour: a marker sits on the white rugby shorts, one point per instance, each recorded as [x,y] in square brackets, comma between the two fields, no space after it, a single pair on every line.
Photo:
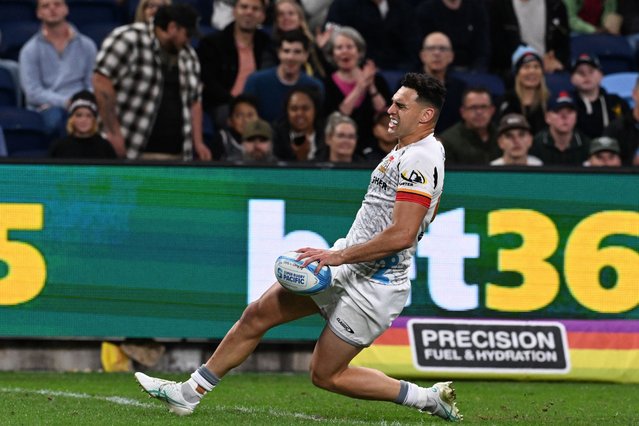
[357,309]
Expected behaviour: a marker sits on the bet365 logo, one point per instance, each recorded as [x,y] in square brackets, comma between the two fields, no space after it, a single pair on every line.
[25,271]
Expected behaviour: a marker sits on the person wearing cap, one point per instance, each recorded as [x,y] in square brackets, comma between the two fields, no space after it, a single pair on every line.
[83,139]
[530,93]
[542,24]
[626,131]
[473,140]
[596,108]
[604,152]
[147,84]
[515,139]
[257,143]
[561,143]
[55,63]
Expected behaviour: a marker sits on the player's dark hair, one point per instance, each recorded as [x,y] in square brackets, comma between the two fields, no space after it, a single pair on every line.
[294,36]
[429,89]
[242,99]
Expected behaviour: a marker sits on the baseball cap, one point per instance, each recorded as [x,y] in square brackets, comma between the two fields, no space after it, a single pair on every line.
[83,99]
[563,100]
[512,121]
[587,59]
[257,129]
[604,143]
[524,54]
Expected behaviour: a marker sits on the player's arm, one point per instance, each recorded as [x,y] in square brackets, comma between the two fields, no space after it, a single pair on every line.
[400,235]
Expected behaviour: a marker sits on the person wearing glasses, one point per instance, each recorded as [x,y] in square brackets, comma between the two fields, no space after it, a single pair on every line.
[341,140]
[436,56]
[473,140]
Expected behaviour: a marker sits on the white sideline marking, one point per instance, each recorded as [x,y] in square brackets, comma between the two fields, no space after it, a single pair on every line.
[114,399]
[132,402]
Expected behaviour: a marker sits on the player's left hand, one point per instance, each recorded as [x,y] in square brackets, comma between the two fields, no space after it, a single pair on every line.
[323,256]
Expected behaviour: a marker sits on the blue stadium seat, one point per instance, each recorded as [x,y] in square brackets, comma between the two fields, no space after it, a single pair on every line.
[8,96]
[24,132]
[621,84]
[18,10]
[82,12]
[97,31]
[492,82]
[614,52]
[392,77]
[14,35]
[559,82]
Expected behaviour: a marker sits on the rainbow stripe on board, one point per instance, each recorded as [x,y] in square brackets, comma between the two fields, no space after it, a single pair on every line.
[600,350]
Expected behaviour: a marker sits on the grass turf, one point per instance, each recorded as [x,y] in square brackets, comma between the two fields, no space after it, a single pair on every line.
[290,399]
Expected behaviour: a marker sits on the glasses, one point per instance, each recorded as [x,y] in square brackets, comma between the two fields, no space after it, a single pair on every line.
[477,108]
[437,48]
[257,139]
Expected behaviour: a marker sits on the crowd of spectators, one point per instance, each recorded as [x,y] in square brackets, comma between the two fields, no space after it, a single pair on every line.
[300,81]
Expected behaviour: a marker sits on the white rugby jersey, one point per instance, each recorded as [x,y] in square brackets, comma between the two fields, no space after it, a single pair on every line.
[414,173]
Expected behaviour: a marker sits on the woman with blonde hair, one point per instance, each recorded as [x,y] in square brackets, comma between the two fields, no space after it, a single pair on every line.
[146,9]
[289,16]
[83,140]
[530,93]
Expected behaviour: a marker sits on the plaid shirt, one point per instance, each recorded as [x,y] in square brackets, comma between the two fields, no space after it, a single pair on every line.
[130,58]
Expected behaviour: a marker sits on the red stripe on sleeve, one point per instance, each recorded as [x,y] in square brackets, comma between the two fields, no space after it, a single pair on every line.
[413,197]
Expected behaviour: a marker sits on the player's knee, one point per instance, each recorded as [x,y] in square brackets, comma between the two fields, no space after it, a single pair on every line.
[253,318]
[322,381]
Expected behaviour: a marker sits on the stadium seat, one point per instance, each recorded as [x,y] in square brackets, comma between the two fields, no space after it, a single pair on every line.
[492,82]
[82,12]
[8,95]
[614,52]
[558,82]
[17,10]
[621,84]
[392,77]
[24,132]
[97,31]
[14,35]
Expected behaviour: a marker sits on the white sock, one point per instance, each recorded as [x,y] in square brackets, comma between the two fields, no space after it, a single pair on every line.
[414,396]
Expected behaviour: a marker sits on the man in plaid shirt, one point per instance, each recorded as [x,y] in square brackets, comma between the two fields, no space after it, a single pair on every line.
[147,84]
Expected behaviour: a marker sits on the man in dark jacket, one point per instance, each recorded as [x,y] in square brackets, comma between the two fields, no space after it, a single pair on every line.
[229,56]
[508,32]
[596,108]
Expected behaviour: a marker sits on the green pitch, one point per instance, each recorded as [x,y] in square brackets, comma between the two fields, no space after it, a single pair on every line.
[282,399]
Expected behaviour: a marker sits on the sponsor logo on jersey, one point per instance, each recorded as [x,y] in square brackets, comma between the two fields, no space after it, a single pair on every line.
[413,176]
[379,182]
[346,326]
[385,164]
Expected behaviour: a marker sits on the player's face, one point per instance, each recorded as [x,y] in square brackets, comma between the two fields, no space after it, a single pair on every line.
[530,74]
[345,53]
[291,56]
[83,122]
[605,159]
[287,18]
[562,121]
[301,112]
[515,143]
[52,12]
[242,114]
[248,14]
[586,77]
[477,110]
[343,140]
[405,113]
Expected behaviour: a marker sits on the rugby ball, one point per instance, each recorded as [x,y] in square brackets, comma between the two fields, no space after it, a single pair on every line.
[292,276]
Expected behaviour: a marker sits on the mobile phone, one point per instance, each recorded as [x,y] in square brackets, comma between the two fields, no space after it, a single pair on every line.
[299,140]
